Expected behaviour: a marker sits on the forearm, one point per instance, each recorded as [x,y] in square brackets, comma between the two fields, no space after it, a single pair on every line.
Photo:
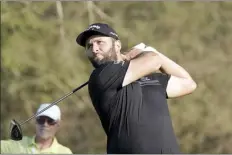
[151,58]
[142,65]
[169,66]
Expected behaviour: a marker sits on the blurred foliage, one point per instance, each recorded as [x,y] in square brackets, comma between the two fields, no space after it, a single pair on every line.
[40,62]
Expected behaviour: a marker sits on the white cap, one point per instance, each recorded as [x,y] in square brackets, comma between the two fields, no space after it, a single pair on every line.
[52,112]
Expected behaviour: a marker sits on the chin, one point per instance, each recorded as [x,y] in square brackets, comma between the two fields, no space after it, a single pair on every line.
[45,137]
[96,64]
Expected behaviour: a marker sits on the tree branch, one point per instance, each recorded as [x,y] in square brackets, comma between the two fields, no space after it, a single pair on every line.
[90,11]
[60,14]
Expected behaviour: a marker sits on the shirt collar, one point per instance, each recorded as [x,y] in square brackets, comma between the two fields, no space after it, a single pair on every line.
[52,147]
[32,141]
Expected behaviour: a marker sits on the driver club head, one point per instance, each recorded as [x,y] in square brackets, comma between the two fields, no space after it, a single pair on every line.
[15,131]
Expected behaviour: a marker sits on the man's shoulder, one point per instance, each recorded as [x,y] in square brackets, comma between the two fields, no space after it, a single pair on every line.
[11,146]
[24,139]
[63,149]
[109,67]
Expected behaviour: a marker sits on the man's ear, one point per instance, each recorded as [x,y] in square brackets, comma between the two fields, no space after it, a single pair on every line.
[118,46]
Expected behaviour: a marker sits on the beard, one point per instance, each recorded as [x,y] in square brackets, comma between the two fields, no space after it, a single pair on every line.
[107,57]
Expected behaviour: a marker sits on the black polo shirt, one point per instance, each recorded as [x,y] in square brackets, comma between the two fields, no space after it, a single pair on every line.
[135,117]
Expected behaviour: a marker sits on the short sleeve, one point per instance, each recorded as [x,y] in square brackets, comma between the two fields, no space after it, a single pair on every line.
[110,75]
[164,78]
[4,147]
[66,151]
[7,146]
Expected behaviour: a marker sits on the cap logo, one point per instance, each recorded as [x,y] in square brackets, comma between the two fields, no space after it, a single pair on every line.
[92,27]
[114,34]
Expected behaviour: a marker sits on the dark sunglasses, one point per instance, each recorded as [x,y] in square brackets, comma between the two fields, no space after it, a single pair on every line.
[42,120]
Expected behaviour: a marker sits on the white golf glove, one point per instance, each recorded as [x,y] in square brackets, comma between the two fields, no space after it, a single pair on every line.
[145,48]
[140,46]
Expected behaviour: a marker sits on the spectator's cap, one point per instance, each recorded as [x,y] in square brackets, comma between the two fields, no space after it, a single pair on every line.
[96,29]
[52,112]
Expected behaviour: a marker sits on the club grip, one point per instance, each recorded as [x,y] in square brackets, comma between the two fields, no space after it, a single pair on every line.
[76,89]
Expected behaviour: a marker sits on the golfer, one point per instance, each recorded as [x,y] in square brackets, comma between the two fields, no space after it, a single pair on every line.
[130,96]
[44,141]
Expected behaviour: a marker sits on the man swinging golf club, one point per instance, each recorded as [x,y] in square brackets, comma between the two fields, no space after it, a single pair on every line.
[44,141]
[129,95]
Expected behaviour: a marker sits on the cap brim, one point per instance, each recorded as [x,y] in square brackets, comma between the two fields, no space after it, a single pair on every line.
[84,36]
[47,115]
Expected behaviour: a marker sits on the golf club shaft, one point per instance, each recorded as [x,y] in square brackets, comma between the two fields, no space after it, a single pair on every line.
[55,102]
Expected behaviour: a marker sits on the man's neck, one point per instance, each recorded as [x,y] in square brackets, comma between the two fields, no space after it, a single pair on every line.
[43,143]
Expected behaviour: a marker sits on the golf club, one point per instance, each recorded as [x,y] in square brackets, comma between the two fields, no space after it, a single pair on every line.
[15,127]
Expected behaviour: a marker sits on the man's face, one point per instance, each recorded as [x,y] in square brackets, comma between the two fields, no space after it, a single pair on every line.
[46,127]
[100,49]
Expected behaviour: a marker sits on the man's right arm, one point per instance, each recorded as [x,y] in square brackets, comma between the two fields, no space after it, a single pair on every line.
[144,64]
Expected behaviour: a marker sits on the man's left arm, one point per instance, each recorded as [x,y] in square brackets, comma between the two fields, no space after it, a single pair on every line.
[180,82]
